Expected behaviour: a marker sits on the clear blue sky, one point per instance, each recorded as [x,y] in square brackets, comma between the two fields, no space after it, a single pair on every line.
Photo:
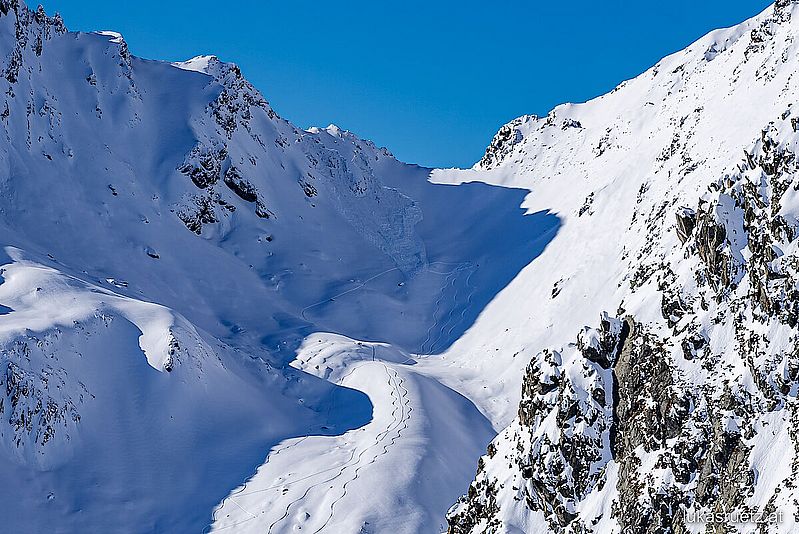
[431,80]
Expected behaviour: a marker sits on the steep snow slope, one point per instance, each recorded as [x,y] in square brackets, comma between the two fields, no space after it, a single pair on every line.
[661,320]
[92,423]
[291,217]
[170,244]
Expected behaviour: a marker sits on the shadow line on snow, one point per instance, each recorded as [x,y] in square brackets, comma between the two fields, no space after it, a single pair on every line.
[476,239]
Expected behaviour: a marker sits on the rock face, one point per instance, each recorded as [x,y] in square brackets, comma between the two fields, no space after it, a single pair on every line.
[681,402]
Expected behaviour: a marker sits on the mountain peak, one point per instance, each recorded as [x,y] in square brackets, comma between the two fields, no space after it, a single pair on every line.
[207,64]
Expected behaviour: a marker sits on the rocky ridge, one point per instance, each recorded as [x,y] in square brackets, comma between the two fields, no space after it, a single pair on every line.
[682,401]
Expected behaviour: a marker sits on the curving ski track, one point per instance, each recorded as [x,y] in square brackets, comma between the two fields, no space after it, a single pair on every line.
[383,440]
[404,420]
[399,401]
[450,280]
[334,297]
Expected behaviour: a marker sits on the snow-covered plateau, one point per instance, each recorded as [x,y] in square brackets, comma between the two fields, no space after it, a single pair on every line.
[214,321]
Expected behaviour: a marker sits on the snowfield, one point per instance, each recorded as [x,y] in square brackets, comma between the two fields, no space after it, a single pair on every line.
[419,431]
[214,321]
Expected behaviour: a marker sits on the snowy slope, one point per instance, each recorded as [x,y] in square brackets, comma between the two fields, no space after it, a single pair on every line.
[660,323]
[211,320]
[420,431]
[93,422]
[169,245]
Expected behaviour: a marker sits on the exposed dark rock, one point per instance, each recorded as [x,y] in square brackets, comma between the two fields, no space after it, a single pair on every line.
[600,346]
[506,138]
[240,186]
[32,403]
[204,166]
[463,518]
[200,212]
[308,188]
[262,211]
[649,410]
[686,222]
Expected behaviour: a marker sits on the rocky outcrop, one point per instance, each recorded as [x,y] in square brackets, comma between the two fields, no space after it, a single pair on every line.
[686,222]
[243,188]
[32,30]
[204,166]
[650,420]
[477,510]
[506,138]
[559,447]
[660,444]
[38,414]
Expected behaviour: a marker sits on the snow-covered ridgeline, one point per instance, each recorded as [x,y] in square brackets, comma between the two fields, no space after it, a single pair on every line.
[173,244]
[678,249]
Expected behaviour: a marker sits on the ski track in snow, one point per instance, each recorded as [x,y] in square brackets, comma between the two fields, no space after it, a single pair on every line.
[405,411]
[450,280]
[154,237]
[387,437]
[378,441]
[242,491]
[352,290]
[358,459]
[176,240]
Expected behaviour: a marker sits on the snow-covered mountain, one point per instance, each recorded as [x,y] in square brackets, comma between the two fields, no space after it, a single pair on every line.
[169,244]
[663,388]
[211,320]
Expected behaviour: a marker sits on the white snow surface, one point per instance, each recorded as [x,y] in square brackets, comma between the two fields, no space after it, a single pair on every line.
[212,320]
[174,250]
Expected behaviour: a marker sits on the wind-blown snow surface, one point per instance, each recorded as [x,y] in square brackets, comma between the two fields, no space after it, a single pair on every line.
[174,254]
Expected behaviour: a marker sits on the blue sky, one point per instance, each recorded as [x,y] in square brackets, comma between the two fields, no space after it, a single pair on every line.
[430,80]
